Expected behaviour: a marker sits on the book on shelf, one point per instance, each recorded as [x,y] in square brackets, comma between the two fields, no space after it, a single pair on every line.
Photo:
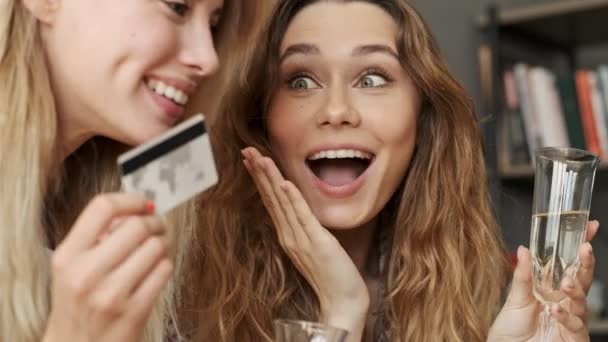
[597,106]
[533,133]
[583,91]
[547,108]
[513,134]
[542,108]
[602,72]
[567,90]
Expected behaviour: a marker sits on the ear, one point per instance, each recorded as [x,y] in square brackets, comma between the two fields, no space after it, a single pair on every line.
[43,10]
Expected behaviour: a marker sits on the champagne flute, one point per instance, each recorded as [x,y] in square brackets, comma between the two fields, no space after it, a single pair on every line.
[302,331]
[562,197]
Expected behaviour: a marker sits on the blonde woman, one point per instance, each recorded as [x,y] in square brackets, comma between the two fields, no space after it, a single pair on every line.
[80,80]
[375,217]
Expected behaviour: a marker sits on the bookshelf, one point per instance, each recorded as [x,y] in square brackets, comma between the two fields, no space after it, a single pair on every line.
[598,327]
[553,36]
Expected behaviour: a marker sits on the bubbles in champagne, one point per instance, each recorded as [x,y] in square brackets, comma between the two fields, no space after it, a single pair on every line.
[555,241]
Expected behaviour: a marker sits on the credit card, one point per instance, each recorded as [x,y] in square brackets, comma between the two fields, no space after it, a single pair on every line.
[172,168]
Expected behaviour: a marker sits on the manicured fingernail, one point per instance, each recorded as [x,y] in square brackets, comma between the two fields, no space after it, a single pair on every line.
[520,251]
[150,207]
[597,223]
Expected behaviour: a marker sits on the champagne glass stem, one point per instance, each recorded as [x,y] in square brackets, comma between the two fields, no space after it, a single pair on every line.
[546,324]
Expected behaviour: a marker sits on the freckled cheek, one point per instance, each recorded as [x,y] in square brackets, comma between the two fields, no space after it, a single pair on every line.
[399,140]
[398,131]
[289,119]
[283,151]
[291,123]
[392,122]
[282,134]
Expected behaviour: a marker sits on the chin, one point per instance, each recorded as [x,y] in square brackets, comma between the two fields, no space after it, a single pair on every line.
[145,133]
[342,218]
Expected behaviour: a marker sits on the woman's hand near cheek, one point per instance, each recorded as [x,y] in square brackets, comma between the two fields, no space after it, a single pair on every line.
[104,286]
[315,252]
[519,318]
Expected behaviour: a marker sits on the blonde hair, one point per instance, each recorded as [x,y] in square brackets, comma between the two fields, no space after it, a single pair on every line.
[234,60]
[447,265]
[39,199]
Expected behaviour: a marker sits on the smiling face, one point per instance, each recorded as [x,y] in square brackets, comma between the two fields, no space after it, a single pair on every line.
[125,69]
[342,119]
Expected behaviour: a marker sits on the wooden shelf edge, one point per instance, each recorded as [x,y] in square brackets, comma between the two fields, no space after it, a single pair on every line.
[514,172]
[598,327]
[509,16]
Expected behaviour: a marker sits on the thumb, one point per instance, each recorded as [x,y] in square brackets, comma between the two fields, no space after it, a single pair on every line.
[521,286]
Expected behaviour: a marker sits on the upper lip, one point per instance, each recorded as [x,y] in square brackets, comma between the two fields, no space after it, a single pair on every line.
[345,146]
[187,86]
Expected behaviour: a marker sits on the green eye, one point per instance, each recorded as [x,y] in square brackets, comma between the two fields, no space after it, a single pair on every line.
[372,81]
[302,83]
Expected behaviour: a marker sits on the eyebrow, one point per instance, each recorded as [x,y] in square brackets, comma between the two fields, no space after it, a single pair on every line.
[303,49]
[359,51]
[374,48]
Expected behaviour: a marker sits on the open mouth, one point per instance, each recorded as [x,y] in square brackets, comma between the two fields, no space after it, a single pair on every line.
[339,168]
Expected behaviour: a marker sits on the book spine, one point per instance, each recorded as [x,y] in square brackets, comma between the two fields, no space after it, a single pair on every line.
[584,98]
[602,73]
[527,108]
[567,94]
[514,134]
[597,104]
[549,110]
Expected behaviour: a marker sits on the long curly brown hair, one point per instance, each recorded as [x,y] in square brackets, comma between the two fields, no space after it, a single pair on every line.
[447,265]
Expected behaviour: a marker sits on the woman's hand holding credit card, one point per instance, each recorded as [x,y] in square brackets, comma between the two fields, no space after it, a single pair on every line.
[109,271]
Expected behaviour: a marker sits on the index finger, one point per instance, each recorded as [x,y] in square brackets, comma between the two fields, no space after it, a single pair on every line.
[98,215]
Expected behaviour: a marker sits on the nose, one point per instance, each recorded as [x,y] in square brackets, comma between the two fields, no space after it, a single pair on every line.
[338,109]
[198,52]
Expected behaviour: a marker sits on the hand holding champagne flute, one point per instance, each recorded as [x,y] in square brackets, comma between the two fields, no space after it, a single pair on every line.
[562,198]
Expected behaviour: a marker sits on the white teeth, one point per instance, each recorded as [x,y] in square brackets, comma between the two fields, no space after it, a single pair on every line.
[169,92]
[336,154]
[160,88]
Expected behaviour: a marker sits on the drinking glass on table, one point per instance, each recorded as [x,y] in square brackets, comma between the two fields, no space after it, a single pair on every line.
[302,331]
[563,185]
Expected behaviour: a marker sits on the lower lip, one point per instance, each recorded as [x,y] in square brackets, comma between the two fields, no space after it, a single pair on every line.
[341,191]
[171,109]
